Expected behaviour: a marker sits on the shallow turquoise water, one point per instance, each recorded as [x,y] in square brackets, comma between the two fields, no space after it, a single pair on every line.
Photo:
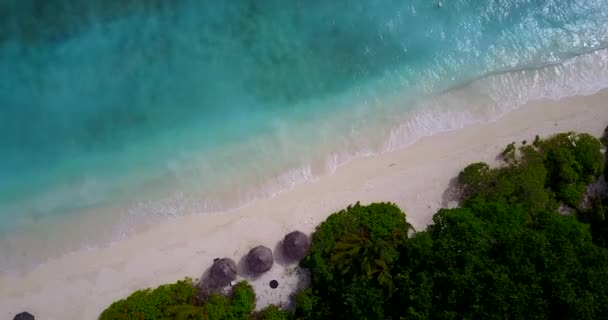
[100,100]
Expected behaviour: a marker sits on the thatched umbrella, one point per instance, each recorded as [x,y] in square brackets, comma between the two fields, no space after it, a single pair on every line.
[24,316]
[259,259]
[295,245]
[222,272]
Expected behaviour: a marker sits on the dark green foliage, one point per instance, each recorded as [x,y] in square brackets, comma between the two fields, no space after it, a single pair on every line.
[604,141]
[273,312]
[217,306]
[597,218]
[177,302]
[509,154]
[596,214]
[604,138]
[587,151]
[188,312]
[486,260]
[362,300]
[377,221]
[305,303]
[475,177]
[504,254]
[572,161]
[490,261]
[151,304]
[243,301]
[359,258]
[523,183]
[558,168]
[351,256]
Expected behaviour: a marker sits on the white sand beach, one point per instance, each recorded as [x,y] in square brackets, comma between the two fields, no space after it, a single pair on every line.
[82,284]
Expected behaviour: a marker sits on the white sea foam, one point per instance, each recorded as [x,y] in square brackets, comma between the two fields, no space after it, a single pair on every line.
[485,99]
[482,100]
[362,131]
[490,98]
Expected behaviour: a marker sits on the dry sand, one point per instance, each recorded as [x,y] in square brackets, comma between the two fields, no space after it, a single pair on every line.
[82,284]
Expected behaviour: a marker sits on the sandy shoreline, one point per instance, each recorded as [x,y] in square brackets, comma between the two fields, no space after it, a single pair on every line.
[82,284]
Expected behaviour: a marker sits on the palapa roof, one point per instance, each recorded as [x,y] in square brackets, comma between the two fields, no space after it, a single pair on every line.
[259,259]
[296,245]
[24,316]
[222,272]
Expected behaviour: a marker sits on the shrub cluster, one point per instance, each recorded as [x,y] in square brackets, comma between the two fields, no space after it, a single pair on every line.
[506,253]
[178,301]
[151,304]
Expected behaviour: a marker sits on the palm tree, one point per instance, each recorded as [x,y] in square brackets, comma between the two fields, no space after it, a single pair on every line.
[360,257]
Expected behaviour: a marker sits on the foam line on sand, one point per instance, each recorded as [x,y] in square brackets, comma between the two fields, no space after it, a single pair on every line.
[80,285]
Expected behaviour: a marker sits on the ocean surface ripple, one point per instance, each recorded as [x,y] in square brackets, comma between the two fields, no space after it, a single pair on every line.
[159,108]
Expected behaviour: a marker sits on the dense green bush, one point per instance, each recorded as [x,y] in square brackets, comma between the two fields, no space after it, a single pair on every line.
[505,253]
[474,178]
[604,138]
[273,312]
[151,304]
[604,141]
[487,260]
[243,301]
[522,183]
[377,221]
[217,306]
[572,162]
[597,218]
[177,301]
[536,176]
[490,261]
[596,215]
[351,257]
[305,301]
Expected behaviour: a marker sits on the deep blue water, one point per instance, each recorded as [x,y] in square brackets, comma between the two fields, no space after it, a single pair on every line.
[100,99]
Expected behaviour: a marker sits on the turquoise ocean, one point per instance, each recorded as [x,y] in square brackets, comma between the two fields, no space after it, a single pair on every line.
[118,114]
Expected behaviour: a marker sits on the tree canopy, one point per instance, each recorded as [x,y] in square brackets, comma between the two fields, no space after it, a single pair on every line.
[505,253]
[528,241]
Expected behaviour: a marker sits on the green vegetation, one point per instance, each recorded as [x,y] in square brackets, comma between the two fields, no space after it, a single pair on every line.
[506,253]
[243,301]
[305,301]
[604,141]
[529,241]
[493,261]
[596,214]
[273,312]
[538,176]
[152,304]
[373,223]
[350,258]
[178,301]
[604,138]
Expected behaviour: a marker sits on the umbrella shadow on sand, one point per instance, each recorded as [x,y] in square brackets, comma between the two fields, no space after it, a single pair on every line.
[279,256]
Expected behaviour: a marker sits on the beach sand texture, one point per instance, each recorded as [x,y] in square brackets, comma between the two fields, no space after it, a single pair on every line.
[80,285]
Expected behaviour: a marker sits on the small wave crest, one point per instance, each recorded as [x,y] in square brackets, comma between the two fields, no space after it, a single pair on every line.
[483,100]
[361,133]
[491,97]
